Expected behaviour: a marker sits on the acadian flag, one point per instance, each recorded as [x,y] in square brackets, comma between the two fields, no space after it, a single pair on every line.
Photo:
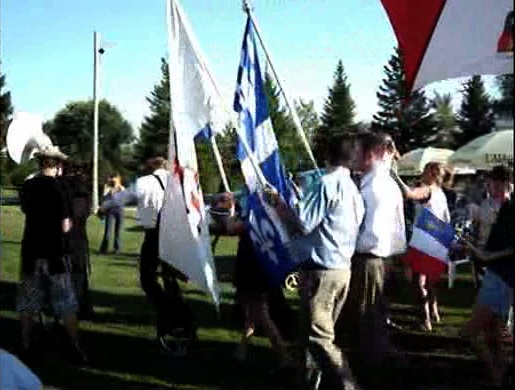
[429,246]
[445,39]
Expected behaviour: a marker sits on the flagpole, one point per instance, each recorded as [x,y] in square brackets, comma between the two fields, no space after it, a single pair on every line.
[220,164]
[172,147]
[261,178]
[248,10]
[96,88]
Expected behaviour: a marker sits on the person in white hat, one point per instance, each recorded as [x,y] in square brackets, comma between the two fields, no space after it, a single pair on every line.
[43,260]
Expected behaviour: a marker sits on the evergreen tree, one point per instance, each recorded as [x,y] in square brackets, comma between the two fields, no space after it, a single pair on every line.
[504,105]
[445,122]
[6,110]
[290,146]
[154,135]
[338,114]
[154,131]
[228,146]
[405,116]
[476,116]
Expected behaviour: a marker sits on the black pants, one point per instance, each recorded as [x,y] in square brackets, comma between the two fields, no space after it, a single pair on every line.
[172,311]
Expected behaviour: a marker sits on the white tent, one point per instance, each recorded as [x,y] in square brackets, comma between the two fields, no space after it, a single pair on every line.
[486,151]
[413,163]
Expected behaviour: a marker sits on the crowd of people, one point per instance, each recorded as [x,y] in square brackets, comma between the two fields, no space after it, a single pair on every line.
[355,229]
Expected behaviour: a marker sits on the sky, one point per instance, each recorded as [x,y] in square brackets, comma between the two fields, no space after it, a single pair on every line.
[47,49]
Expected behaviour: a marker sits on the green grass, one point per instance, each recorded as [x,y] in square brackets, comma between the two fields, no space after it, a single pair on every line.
[121,339]
[8,192]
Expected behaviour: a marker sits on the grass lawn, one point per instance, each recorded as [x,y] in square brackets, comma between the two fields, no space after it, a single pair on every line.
[120,340]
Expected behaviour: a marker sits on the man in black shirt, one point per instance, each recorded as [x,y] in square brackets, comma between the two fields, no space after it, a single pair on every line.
[44,267]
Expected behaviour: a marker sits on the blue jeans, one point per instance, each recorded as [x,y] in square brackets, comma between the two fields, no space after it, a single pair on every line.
[496,294]
[114,216]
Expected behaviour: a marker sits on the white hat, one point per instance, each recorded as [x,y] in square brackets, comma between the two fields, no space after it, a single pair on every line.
[51,152]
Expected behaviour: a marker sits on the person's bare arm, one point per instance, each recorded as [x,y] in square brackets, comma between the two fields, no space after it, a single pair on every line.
[417,194]
[66,225]
[487,256]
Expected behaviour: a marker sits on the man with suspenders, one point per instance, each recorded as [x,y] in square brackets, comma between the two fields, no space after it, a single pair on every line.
[173,315]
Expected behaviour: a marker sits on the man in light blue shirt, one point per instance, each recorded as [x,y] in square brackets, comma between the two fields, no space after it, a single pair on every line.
[330,216]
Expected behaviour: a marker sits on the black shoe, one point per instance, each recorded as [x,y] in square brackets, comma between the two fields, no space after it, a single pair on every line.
[33,357]
[172,347]
[85,312]
[76,355]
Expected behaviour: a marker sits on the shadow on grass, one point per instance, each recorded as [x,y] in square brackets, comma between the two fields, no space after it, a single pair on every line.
[125,362]
[10,242]
[135,228]
[225,268]
[132,309]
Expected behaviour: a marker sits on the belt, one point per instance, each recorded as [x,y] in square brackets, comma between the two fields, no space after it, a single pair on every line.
[310,265]
[370,256]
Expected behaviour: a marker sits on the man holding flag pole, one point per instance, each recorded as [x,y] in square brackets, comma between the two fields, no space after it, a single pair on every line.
[328,221]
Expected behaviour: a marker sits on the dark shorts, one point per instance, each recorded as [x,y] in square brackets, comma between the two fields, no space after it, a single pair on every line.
[39,289]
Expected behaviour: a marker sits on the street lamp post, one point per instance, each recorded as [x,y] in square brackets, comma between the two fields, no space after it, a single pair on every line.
[98,51]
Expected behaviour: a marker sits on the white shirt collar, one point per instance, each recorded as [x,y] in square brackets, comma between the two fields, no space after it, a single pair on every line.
[160,172]
[380,167]
[339,170]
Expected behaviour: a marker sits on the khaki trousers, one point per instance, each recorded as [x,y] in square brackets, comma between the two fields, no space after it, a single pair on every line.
[367,309]
[322,297]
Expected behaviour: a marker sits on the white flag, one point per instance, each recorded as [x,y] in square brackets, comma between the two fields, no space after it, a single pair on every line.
[196,110]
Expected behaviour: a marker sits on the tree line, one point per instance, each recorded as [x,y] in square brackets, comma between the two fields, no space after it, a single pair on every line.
[413,120]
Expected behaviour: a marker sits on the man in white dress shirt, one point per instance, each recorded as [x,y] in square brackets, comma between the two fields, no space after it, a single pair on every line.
[382,235]
[173,314]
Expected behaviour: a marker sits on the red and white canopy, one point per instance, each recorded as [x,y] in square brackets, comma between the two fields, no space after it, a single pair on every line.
[445,39]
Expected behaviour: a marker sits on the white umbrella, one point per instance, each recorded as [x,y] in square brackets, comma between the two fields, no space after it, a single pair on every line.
[413,163]
[486,151]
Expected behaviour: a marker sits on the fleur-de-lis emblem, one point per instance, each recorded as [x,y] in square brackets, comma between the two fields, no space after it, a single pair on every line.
[264,236]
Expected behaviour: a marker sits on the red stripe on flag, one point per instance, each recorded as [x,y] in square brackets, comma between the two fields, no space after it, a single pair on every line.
[422,263]
[414,23]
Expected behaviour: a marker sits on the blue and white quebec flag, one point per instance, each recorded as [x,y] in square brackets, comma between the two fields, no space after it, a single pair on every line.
[267,232]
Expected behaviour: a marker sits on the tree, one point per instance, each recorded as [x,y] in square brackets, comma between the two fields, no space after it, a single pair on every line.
[228,146]
[405,116]
[6,110]
[154,134]
[476,116]
[290,146]
[72,130]
[445,122]
[154,131]
[308,116]
[338,114]
[504,105]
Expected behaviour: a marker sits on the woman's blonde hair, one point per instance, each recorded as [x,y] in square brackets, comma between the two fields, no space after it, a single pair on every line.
[436,171]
